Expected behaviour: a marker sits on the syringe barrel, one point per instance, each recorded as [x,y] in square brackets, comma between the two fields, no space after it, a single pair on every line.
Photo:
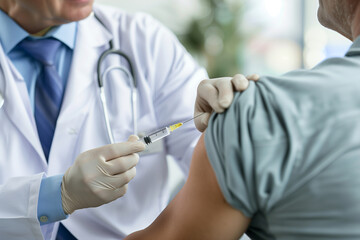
[146,140]
[153,137]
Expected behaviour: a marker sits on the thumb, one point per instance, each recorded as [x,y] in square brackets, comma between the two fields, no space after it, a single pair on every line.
[133,138]
[201,122]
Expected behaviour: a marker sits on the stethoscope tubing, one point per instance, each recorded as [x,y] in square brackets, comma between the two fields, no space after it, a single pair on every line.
[133,99]
[133,84]
[106,115]
[2,101]
[101,77]
[121,54]
[2,98]
[3,82]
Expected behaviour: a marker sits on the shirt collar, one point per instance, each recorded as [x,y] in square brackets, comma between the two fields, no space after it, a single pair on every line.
[355,48]
[65,33]
[11,33]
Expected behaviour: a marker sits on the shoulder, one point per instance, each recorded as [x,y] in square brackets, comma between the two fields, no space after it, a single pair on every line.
[298,89]
[265,131]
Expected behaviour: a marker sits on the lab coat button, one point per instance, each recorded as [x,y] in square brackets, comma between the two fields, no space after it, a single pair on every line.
[44,219]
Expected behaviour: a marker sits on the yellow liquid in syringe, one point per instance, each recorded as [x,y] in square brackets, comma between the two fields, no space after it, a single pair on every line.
[153,137]
[159,134]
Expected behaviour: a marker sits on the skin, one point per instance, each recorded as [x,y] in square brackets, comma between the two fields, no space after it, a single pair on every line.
[200,211]
[37,15]
[342,16]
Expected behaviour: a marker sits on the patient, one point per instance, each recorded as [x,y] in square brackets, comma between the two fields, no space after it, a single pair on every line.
[283,162]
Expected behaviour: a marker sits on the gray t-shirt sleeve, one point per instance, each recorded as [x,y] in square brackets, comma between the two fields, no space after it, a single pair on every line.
[249,151]
[286,153]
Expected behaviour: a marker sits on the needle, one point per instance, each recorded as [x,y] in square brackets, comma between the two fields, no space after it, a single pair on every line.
[193,118]
[177,125]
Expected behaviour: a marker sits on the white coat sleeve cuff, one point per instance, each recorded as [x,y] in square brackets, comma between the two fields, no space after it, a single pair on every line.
[50,204]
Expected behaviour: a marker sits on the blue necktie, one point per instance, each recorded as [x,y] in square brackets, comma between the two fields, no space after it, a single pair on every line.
[48,98]
[48,88]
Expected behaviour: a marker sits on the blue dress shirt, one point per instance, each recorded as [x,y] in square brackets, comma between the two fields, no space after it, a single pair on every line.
[49,204]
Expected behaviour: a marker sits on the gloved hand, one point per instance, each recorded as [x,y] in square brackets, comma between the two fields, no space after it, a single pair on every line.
[217,95]
[100,175]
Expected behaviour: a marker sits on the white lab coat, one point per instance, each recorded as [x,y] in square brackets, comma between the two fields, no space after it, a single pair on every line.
[167,81]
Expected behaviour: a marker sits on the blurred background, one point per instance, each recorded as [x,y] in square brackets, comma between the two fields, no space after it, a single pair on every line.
[244,36]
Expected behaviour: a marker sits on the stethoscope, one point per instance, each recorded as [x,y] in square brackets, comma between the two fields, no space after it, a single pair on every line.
[1,100]
[129,75]
[101,77]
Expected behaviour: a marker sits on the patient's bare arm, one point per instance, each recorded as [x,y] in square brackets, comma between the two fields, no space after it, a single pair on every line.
[199,211]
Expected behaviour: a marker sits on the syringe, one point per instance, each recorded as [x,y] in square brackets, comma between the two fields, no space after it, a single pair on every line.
[163,132]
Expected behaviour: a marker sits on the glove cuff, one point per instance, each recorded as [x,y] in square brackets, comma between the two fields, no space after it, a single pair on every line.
[67,204]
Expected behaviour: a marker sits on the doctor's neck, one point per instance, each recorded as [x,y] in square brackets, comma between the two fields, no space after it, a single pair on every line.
[42,32]
[37,16]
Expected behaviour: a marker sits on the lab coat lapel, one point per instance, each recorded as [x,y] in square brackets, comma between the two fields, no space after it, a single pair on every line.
[17,105]
[81,92]
[91,41]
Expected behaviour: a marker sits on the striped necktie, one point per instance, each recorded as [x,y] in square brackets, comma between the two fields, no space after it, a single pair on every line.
[48,88]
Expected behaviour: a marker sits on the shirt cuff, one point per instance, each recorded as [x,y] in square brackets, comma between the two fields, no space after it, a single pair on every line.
[50,203]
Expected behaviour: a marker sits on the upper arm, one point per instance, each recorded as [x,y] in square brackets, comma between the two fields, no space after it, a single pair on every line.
[199,211]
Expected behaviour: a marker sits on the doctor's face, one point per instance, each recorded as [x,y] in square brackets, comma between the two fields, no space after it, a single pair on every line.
[36,15]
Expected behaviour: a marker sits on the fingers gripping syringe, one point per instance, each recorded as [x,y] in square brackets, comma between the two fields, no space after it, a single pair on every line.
[163,132]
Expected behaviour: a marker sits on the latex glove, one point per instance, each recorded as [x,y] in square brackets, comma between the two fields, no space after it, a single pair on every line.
[100,175]
[217,95]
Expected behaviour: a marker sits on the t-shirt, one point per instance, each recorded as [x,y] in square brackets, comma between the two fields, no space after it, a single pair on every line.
[287,152]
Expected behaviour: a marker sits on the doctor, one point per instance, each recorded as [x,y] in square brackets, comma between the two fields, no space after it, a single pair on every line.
[51,117]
